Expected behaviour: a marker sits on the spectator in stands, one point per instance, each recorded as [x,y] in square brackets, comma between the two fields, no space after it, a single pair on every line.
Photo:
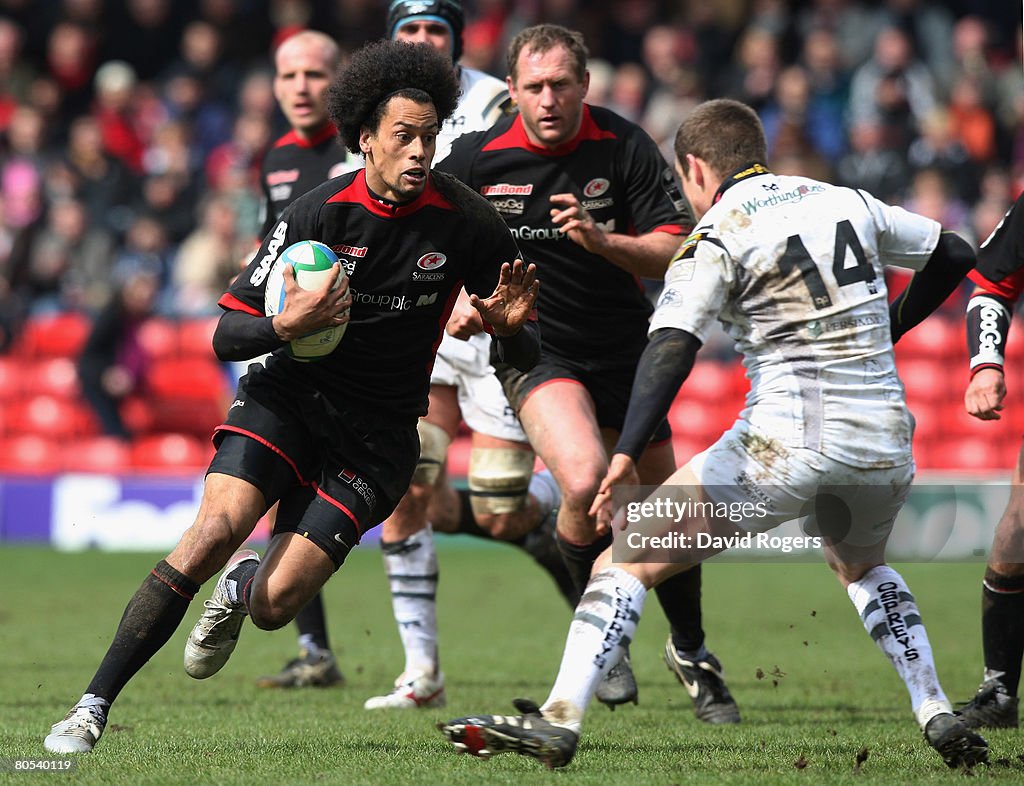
[937,148]
[752,76]
[114,84]
[208,259]
[893,88]
[102,182]
[113,363]
[795,124]
[871,165]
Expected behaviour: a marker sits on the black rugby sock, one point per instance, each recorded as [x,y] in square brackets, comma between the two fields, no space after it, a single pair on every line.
[679,597]
[149,620]
[1002,626]
[312,622]
[579,559]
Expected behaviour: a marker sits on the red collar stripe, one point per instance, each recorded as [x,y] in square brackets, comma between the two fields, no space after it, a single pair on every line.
[516,137]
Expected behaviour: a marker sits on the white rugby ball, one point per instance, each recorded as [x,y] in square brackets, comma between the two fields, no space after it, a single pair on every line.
[312,263]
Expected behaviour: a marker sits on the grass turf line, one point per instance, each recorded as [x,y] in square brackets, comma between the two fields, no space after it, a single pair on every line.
[812,688]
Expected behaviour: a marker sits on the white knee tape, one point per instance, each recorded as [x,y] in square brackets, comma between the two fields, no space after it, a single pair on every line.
[434,442]
[499,479]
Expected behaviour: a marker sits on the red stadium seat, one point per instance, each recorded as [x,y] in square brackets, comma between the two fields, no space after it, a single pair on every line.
[710,381]
[188,378]
[170,452]
[61,335]
[969,453]
[159,338]
[195,336]
[11,372]
[98,454]
[928,380]
[56,418]
[31,454]
[936,337]
[52,377]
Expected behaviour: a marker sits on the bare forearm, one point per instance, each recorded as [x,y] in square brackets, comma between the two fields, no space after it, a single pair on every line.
[646,256]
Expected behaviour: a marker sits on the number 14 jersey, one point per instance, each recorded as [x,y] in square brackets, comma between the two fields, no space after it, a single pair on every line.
[793,269]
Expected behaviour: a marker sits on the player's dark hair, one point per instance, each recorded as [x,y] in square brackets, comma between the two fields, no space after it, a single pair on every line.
[384,70]
[725,133]
[447,12]
[544,38]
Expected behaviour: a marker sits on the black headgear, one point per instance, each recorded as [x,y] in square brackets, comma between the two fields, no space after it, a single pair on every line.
[447,12]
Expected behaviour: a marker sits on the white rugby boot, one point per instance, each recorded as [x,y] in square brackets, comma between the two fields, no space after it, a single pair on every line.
[411,691]
[214,637]
[78,732]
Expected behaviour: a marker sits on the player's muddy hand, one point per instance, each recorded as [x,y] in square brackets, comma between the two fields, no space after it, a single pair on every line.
[573,220]
[513,299]
[985,394]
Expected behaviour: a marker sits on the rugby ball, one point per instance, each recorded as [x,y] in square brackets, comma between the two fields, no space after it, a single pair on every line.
[312,263]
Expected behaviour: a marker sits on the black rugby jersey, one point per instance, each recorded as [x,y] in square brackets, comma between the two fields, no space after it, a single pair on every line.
[591,311]
[405,264]
[1000,268]
[295,165]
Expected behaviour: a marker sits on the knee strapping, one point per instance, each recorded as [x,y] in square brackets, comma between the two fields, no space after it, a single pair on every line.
[434,442]
[499,479]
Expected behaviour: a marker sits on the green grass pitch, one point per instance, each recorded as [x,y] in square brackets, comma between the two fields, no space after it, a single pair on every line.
[813,689]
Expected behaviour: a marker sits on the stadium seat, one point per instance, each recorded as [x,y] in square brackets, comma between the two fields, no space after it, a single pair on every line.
[927,380]
[710,381]
[188,378]
[10,378]
[969,454]
[170,452]
[61,335]
[56,377]
[30,454]
[159,338]
[195,336]
[98,454]
[936,337]
[57,418]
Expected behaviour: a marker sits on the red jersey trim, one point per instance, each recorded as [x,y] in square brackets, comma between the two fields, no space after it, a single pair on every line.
[516,137]
[331,500]
[669,229]
[263,441]
[230,303]
[321,136]
[359,193]
[1009,288]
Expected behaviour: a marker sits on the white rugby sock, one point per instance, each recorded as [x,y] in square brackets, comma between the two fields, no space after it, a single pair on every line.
[411,565]
[890,616]
[545,490]
[603,625]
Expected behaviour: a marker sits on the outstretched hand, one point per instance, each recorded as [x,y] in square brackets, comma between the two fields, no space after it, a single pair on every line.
[509,306]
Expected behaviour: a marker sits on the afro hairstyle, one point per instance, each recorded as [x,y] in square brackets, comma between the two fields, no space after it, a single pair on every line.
[381,71]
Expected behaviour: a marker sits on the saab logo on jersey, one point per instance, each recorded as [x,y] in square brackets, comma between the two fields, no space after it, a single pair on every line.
[595,187]
[273,249]
[798,194]
[431,261]
[507,189]
[282,176]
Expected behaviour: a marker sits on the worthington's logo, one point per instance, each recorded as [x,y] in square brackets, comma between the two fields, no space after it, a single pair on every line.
[798,194]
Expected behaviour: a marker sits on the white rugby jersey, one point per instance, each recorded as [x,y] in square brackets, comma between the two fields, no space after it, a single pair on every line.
[480,105]
[793,269]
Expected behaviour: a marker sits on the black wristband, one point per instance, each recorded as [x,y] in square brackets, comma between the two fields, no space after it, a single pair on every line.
[988,327]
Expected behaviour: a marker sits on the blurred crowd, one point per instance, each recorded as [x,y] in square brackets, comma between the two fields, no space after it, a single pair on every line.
[132,130]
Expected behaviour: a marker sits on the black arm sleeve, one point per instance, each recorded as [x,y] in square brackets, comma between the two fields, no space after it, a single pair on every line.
[664,366]
[951,260]
[521,350]
[241,336]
